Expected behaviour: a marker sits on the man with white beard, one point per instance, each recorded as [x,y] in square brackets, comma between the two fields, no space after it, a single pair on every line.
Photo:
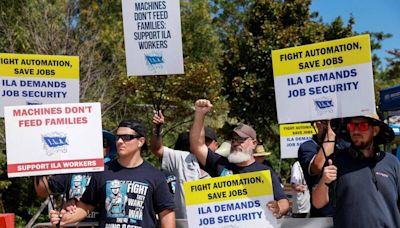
[240,160]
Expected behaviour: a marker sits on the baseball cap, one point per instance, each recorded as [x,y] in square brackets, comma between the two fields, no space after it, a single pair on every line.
[245,131]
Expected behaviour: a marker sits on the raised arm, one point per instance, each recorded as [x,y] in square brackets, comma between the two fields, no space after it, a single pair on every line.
[329,146]
[41,186]
[197,140]
[320,195]
[156,145]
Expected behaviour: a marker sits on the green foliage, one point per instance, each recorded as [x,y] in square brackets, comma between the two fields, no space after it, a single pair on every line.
[227,56]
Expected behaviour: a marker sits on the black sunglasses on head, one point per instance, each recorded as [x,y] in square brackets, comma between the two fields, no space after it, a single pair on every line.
[127,137]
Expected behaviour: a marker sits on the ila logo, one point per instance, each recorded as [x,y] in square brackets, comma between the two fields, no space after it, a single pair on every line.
[323,105]
[154,61]
[55,142]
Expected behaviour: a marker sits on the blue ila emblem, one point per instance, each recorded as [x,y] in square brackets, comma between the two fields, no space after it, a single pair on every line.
[55,142]
[324,105]
[154,61]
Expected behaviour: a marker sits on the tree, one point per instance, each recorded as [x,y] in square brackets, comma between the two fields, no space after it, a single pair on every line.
[93,31]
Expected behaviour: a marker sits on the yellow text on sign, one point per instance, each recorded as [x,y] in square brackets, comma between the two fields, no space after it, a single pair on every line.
[325,55]
[39,66]
[296,129]
[228,188]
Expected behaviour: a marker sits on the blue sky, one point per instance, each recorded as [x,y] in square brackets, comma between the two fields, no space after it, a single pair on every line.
[369,15]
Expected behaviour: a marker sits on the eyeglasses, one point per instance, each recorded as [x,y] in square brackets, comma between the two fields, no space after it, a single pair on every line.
[127,137]
[238,139]
[363,126]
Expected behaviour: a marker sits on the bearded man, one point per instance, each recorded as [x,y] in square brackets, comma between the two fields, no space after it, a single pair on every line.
[240,159]
[362,181]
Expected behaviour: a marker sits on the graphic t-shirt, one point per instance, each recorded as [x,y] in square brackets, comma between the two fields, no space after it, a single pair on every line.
[129,197]
[73,185]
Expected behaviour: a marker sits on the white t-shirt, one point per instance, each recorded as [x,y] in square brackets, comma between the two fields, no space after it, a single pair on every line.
[301,200]
[185,167]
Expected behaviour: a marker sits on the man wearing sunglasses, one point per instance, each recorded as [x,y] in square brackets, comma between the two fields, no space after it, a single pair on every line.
[362,181]
[180,161]
[129,192]
[240,159]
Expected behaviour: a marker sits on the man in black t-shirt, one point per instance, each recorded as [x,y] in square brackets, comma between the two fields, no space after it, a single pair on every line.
[129,192]
[240,159]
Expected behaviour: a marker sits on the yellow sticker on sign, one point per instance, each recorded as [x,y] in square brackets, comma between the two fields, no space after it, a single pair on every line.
[296,129]
[324,55]
[228,188]
[39,66]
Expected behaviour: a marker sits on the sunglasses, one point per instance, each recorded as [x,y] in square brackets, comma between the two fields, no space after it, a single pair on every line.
[363,126]
[127,137]
[238,139]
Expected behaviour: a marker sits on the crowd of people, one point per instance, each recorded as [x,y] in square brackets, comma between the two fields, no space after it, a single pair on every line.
[348,178]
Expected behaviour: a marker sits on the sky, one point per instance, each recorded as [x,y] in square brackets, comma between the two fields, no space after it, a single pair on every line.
[369,15]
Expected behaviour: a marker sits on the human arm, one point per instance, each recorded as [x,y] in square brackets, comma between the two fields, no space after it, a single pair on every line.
[197,139]
[156,145]
[81,211]
[297,178]
[167,218]
[41,186]
[328,145]
[278,207]
[320,195]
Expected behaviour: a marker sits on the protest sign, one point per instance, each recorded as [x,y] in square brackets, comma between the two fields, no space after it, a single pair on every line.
[292,136]
[38,79]
[153,40]
[238,200]
[326,80]
[54,138]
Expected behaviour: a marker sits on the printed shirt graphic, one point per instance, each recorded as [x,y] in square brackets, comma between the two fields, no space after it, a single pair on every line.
[129,197]
[78,185]
[75,185]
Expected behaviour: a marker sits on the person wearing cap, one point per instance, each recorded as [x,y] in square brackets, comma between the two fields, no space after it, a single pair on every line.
[179,161]
[141,188]
[362,181]
[240,159]
[74,185]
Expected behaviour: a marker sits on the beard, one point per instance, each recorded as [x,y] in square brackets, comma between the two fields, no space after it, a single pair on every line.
[361,144]
[238,156]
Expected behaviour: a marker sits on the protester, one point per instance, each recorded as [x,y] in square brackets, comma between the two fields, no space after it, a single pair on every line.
[362,181]
[259,155]
[240,160]
[72,186]
[301,200]
[179,161]
[129,192]
[311,157]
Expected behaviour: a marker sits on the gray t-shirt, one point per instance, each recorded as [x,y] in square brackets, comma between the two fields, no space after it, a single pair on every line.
[185,167]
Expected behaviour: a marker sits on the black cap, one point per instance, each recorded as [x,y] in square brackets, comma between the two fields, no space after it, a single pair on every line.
[210,133]
[182,143]
[135,125]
